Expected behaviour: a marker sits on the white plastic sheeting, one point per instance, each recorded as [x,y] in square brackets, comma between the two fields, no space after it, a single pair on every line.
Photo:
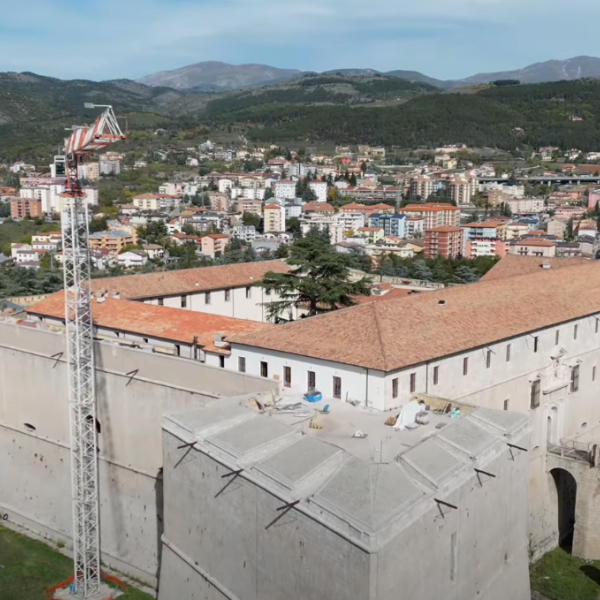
[408,415]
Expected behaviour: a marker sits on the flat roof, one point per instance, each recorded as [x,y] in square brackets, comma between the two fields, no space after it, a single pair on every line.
[377,484]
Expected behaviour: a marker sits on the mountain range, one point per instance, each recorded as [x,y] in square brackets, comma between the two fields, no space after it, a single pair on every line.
[224,77]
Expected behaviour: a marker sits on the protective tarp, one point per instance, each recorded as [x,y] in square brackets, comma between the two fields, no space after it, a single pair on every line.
[408,415]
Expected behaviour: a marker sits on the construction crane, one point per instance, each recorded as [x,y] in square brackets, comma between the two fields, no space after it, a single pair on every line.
[80,351]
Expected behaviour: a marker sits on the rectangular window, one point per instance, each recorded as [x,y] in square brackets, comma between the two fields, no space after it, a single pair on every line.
[556,337]
[312,380]
[241,364]
[287,376]
[183,301]
[161,302]
[337,387]
[413,382]
[575,378]
[506,405]
[177,350]
[222,362]
[535,343]
[248,292]
[507,352]
[575,328]
[395,387]
[227,295]
[593,373]
[597,321]
[535,393]
[436,375]
[465,365]
[488,359]
[264,369]
[453,557]
[207,298]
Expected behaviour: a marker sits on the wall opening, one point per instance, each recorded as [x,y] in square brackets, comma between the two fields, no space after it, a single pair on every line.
[552,427]
[566,495]
[29,427]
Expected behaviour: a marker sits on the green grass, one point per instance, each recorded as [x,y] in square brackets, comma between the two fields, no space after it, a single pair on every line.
[28,567]
[560,576]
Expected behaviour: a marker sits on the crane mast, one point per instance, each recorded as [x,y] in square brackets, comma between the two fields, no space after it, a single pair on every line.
[80,354]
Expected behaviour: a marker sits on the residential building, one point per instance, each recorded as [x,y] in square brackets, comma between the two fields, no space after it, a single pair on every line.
[154,251]
[286,188]
[322,208]
[322,221]
[462,190]
[415,227]
[351,222]
[214,245]
[23,208]
[293,208]
[533,247]
[477,247]
[557,228]
[421,187]
[245,205]
[24,255]
[516,229]
[49,242]
[109,167]
[522,206]
[245,233]
[320,190]
[218,201]
[391,224]
[445,241]
[113,241]
[373,234]
[593,199]
[274,218]
[568,250]
[132,259]
[434,215]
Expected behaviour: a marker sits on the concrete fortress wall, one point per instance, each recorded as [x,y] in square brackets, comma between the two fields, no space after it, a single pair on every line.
[134,390]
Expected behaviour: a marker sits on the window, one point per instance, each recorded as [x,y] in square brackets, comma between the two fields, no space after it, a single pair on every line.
[436,375]
[597,321]
[287,376]
[337,387]
[465,365]
[413,382]
[241,364]
[312,380]
[575,328]
[506,402]
[395,387]
[556,337]
[535,393]
[207,298]
[177,350]
[535,343]
[507,352]
[575,378]
[488,359]
[264,369]
[248,292]
[227,295]
[222,362]
[161,302]
[593,373]
[183,301]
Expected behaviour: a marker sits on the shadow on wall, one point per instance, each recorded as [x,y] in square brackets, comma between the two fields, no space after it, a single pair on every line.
[158,491]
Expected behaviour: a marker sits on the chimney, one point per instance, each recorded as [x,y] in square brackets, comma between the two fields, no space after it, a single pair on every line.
[219,341]
[116,295]
[546,265]
[442,302]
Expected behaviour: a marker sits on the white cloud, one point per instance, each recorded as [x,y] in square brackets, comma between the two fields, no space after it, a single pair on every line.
[117,38]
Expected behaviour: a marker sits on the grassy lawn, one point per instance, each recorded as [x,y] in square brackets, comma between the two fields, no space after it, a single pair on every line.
[28,567]
[560,576]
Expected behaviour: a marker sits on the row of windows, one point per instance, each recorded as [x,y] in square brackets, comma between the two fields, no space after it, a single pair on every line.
[207,297]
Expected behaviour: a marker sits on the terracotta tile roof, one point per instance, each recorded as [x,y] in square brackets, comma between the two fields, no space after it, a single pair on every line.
[273,207]
[161,322]
[444,229]
[536,242]
[388,336]
[490,224]
[427,207]
[186,281]
[513,266]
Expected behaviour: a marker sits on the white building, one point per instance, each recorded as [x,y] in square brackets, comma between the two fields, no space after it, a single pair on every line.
[324,222]
[245,233]
[320,190]
[132,259]
[285,189]
[528,343]
[526,205]
[225,185]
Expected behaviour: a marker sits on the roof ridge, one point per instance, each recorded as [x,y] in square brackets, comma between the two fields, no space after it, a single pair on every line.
[374,306]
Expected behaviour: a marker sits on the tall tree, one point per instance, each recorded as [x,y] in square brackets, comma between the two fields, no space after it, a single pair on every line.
[319,279]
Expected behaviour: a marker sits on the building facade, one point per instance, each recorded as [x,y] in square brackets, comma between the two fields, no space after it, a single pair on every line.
[446,242]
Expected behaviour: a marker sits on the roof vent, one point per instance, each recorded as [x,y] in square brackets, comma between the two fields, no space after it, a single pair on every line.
[442,302]
[546,265]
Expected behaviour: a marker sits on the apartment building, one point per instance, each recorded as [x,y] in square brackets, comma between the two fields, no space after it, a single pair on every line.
[523,206]
[320,190]
[372,234]
[113,241]
[24,208]
[391,224]
[245,233]
[219,202]
[415,227]
[323,221]
[484,239]
[273,218]
[445,241]
[286,188]
[433,215]
[463,190]
[533,247]
[246,205]
[49,242]
[421,187]
[214,244]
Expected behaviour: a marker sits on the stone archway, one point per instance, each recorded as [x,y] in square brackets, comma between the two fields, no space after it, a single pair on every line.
[566,494]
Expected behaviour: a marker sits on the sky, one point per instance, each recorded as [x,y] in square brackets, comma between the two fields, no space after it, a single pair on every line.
[447,39]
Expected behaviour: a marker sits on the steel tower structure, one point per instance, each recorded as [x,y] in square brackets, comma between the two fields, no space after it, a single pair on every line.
[80,353]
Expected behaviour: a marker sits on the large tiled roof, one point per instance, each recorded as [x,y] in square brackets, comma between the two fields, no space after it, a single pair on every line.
[147,320]
[388,336]
[186,281]
[513,266]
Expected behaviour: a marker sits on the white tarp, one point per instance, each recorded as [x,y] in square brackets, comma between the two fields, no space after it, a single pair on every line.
[408,415]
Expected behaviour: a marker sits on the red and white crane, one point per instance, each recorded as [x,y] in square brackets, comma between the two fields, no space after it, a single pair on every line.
[80,352]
